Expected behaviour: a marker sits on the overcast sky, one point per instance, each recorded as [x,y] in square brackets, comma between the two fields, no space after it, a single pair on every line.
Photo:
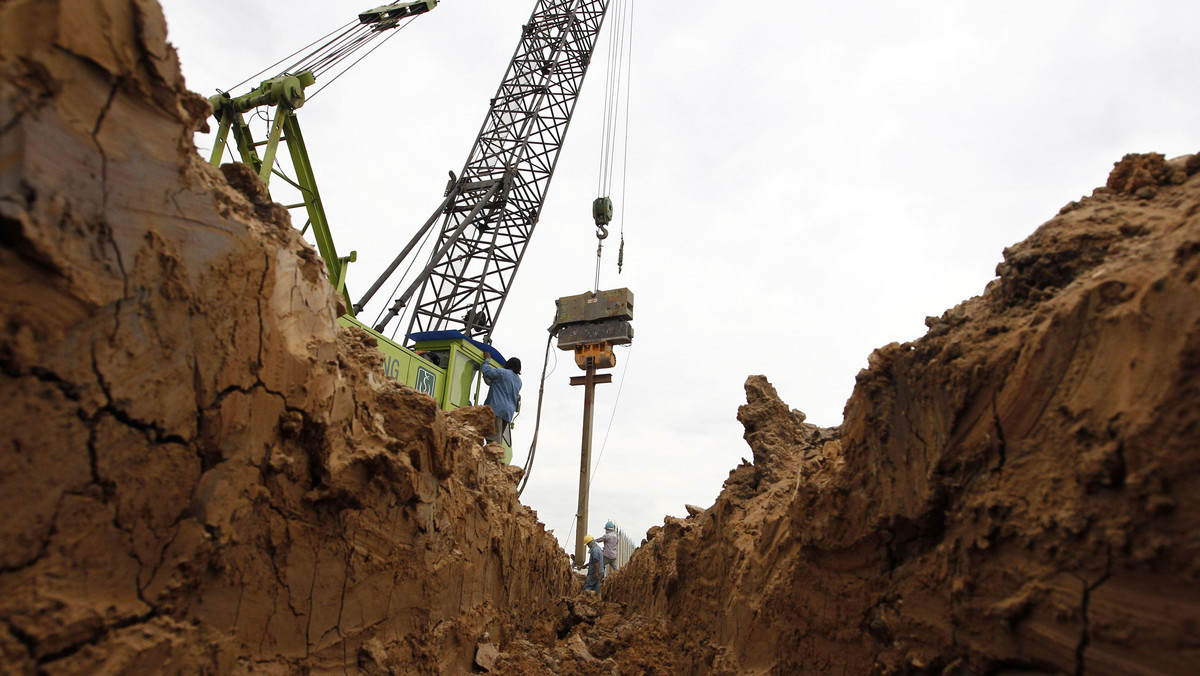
[806,182]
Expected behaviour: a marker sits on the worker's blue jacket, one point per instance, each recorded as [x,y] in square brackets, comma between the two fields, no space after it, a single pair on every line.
[504,388]
[595,558]
[595,567]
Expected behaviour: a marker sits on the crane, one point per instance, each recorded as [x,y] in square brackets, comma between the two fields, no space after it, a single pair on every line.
[492,206]
[489,209]
[283,95]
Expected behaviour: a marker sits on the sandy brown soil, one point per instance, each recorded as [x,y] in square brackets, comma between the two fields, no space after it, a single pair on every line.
[1016,492]
[201,473]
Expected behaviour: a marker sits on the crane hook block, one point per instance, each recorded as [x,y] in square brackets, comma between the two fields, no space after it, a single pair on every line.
[602,211]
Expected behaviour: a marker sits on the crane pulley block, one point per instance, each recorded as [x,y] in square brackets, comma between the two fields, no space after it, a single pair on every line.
[602,210]
[284,90]
[389,14]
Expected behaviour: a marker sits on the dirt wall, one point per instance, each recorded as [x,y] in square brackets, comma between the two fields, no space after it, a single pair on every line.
[201,473]
[1015,492]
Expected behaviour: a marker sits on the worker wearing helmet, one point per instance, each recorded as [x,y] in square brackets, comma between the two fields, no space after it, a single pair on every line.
[595,570]
[504,394]
[609,540]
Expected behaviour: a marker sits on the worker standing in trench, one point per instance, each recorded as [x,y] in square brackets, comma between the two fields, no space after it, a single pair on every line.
[609,540]
[504,394]
[595,566]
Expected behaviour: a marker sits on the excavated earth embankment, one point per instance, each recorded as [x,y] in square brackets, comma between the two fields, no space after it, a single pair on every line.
[201,473]
[1014,493]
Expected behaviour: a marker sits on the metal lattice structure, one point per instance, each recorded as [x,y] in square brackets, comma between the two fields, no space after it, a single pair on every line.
[492,207]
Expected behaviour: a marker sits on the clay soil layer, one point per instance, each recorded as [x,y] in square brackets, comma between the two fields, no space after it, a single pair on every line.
[1015,492]
[200,472]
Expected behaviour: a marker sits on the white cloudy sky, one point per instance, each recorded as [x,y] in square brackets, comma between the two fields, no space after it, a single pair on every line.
[806,181]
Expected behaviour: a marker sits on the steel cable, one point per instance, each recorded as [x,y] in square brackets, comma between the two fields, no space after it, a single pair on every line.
[333,51]
[352,42]
[334,48]
[264,70]
[616,401]
[625,149]
[331,38]
[369,51]
[613,78]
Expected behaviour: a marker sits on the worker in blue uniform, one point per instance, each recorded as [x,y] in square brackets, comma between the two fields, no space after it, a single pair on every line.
[595,565]
[504,394]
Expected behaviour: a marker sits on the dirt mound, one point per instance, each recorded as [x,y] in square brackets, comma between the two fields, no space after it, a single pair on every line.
[1016,492]
[589,637]
[201,472]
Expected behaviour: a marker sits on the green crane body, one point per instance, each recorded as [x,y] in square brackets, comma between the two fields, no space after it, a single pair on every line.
[455,383]
[440,363]
[284,95]
[445,369]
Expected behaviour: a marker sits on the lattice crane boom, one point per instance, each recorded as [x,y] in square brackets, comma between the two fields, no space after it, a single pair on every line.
[493,205]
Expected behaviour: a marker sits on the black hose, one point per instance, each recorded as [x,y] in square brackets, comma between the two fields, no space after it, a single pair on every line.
[538,420]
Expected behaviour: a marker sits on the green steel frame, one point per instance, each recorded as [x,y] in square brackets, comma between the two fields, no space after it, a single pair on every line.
[283,95]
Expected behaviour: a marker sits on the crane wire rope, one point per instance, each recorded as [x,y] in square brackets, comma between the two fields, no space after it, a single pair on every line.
[616,69]
[369,51]
[338,49]
[537,420]
[330,53]
[335,47]
[413,259]
[619,47]
[611,417]
[625,148]
[268,68]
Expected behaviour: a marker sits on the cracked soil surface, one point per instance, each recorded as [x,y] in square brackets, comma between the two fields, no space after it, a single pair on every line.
[1014,493]
[200,472]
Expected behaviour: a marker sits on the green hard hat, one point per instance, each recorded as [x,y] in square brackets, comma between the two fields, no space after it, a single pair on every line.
[609,526]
